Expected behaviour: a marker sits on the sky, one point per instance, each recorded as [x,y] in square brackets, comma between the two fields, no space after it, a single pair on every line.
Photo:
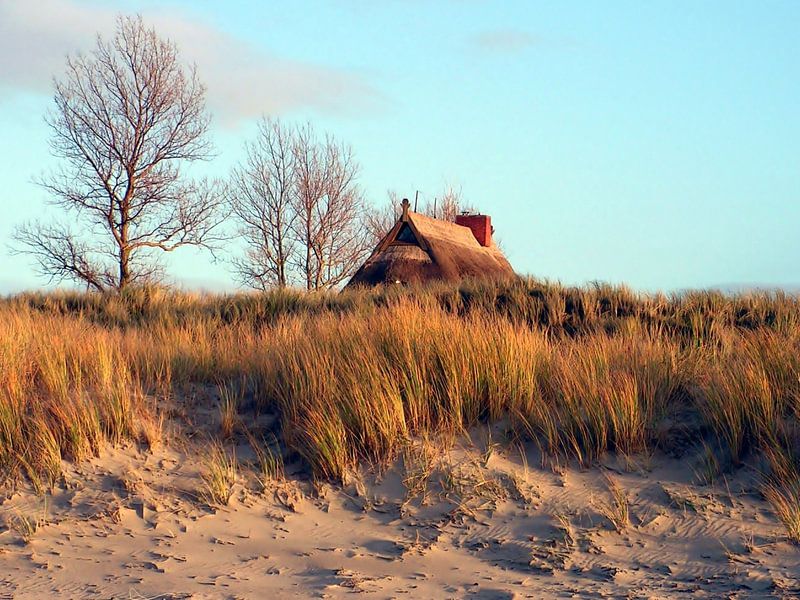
[655,144]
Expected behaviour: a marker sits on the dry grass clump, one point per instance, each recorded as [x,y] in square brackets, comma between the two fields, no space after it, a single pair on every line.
[269,460]
[229,399]
[419,463]
[782,490]
[600,393]
[785,500]
[26,525]
[65,388]
[616,510]
[219,477]
[751,390]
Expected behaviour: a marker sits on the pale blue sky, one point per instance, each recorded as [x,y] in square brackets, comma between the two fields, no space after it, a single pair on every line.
[653,143]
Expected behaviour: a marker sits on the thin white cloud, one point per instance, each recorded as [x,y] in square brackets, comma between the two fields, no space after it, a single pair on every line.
[243,81]
[504,40]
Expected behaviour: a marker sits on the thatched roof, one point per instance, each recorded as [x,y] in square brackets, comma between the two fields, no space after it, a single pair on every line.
[420,249]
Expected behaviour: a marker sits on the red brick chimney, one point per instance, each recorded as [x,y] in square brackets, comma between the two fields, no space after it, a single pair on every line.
[481,226]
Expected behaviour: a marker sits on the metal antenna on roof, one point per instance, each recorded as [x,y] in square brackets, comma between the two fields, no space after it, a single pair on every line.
[434,208]
[416,197]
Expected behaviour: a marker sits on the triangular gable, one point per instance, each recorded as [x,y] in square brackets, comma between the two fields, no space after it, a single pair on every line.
[403,228]
[405,235]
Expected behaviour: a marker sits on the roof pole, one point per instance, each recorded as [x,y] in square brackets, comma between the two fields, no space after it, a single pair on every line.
[405,209]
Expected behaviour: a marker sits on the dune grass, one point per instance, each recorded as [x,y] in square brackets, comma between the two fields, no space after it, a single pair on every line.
[355,376]
[617,509]
[219,476]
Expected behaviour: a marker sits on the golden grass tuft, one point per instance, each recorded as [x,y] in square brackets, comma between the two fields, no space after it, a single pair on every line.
[785,501]
[782,490]
[616,510]
[228,410]
[25,525]
[219,476]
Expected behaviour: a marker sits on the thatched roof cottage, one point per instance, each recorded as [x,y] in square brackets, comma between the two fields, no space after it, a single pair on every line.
[420,249]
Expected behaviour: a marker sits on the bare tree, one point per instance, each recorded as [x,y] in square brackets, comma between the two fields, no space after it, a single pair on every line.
[379,220]
[261,193]
[446,205]
[126,116]
[329,210]
[301,212]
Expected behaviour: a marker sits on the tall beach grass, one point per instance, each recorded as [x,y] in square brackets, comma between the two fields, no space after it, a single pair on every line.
[355,376]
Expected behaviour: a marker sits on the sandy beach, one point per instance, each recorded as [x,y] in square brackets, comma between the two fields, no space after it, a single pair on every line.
[482,520]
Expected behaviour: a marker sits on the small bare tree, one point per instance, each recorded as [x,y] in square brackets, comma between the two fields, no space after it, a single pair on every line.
[446,206]
[126,116]
[379,220]
[330,211]
[261,193]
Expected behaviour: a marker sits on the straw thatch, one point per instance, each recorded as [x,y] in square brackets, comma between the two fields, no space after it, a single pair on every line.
[420,249]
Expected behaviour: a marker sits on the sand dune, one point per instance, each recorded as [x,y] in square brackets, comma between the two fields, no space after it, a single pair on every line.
[469,522]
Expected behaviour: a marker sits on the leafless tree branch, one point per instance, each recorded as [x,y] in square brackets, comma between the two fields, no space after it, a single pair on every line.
[60,256]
